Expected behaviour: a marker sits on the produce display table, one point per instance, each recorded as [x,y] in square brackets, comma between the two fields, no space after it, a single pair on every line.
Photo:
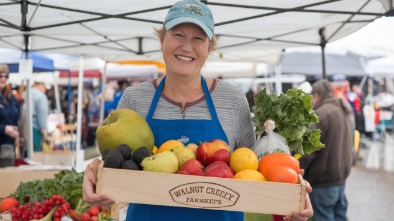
[11,177]
[62,158]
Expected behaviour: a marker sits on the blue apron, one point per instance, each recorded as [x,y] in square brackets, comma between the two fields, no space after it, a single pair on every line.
[187,131]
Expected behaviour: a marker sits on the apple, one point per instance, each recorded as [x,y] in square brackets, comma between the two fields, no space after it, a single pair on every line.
[220,144]
[219,169]
[124,126]
[192,167]
[206,150]
[221,155]
[192,146]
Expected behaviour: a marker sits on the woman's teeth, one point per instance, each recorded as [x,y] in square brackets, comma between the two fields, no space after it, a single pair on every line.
[184,58]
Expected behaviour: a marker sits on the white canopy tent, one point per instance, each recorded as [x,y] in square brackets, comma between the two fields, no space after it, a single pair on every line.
[113,31]
[382,66]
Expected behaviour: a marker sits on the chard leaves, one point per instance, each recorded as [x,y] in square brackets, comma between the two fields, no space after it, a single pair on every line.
[292,113]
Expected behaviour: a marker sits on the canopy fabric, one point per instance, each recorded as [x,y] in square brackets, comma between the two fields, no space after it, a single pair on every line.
[307,63]
[110,31]
[382,66]
[41,63]
[95,67]
[160,65]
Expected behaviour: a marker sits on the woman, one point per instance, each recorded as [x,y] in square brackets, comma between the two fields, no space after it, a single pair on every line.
[9,115]
[183,105]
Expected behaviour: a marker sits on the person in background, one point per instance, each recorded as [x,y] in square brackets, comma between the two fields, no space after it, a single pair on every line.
[327,169]
[40,111]
[250,97]
[9,116]
[181,98]
[122,85]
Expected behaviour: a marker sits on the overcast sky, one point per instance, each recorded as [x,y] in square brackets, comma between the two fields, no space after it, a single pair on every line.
[376,38]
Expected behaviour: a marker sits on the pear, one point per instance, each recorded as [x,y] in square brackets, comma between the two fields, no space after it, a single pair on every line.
[183,154]
[164,162]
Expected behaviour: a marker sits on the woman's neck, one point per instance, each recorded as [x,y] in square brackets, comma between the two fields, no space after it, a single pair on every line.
[183,89]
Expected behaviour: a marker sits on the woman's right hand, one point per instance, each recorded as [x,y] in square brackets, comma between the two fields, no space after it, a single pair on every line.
[11,131]
[89,184]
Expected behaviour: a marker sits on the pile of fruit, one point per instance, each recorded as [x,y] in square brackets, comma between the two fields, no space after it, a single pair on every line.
[211,158]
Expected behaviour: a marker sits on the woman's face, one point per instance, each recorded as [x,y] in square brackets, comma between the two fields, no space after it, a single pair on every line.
[3,80]
[185,49]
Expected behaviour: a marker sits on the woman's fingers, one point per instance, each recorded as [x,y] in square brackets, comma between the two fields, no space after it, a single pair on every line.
[88,186]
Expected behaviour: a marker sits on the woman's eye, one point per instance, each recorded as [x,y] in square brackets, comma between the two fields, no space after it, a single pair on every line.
[178,35]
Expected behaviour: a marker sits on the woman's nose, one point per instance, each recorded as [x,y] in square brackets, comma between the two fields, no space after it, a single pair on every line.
[187,45]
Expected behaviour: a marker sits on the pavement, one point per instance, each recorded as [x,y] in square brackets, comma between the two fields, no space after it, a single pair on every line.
[370,192]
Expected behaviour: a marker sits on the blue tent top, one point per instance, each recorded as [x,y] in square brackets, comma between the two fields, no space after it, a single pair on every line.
[41,63]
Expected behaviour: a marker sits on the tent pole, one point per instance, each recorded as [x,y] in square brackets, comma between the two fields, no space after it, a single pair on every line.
[323,43]
[29,114]
[103,88]
[78,152]
[278,79]
[57,96]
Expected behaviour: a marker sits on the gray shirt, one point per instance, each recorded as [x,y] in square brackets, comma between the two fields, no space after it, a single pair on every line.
[40,109]
[229,101]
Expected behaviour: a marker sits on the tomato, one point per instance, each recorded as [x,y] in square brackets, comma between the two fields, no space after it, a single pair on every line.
[94,211]
[8,203]
[93,218]
[85,216]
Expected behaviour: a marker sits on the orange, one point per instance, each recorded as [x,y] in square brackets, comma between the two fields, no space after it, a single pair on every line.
[282,174]
[155,149]
[277,159]
[168,145]
[243,158]
[249,175]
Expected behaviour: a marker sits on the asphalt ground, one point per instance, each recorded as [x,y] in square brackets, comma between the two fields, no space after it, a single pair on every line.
[370,192]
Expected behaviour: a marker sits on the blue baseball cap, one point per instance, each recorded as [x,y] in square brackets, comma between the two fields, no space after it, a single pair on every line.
[190,11]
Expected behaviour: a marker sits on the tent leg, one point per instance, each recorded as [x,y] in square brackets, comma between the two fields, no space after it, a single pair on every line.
[323,43]
[79,153]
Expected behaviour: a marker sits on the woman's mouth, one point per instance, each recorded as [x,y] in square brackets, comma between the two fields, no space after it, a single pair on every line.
[183,58]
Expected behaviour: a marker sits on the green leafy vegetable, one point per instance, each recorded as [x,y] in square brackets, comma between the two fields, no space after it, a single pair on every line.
[67,183]
[292,113]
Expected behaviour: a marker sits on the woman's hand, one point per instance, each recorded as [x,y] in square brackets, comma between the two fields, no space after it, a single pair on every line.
[89,184]
[308,211]
[11,131]
[302,215]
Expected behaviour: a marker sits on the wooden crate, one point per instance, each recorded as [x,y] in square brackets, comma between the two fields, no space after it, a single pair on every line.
[201,192]
[10,178]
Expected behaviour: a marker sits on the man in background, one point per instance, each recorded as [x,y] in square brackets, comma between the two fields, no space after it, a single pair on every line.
[327,169]
[40,111]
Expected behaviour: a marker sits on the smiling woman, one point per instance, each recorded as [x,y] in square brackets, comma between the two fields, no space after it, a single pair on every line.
[9,115]
[185,106]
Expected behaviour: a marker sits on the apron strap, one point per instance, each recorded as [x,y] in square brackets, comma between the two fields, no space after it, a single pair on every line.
[208,98]
[155,99]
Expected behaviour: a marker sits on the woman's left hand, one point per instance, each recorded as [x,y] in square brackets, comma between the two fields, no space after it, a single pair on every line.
[308,211]
[302,215]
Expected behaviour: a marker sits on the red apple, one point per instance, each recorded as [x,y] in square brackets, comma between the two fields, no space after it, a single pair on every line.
[206,150]
[220,144]
[192,167]
[221,155]
[219,169]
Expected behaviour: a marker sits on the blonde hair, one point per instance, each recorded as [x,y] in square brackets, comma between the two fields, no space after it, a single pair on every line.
[160,32]
[4,68]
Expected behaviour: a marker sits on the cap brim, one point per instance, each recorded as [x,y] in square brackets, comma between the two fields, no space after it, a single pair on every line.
[182,20]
